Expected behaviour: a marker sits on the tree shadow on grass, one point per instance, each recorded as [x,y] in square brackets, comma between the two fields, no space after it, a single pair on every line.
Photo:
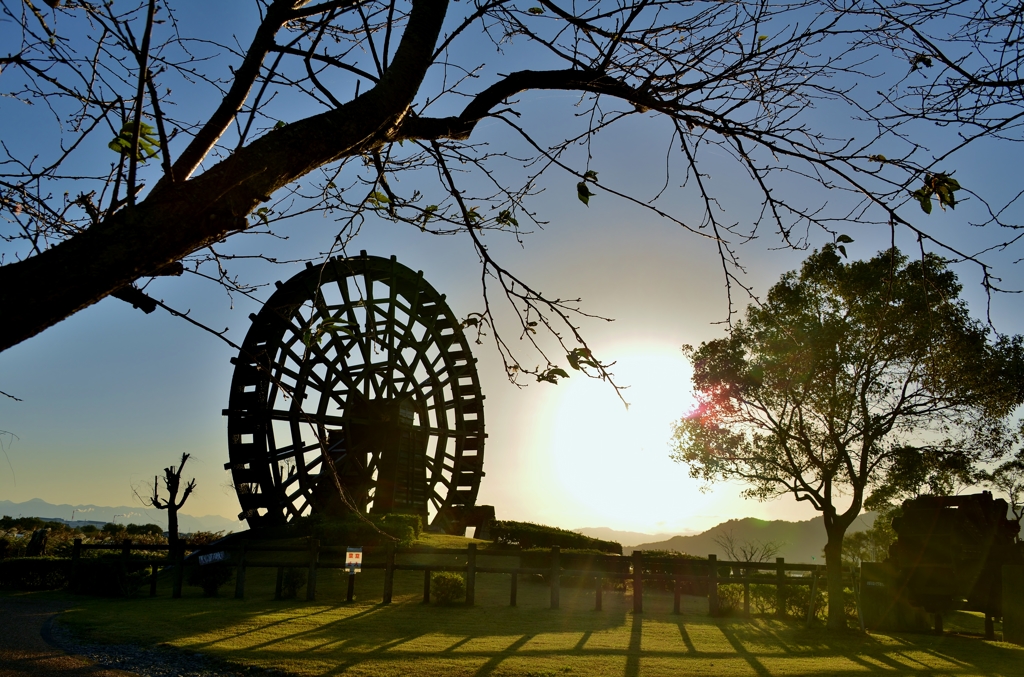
[409,637]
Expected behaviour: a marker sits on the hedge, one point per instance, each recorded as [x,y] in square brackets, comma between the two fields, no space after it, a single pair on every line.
[527,535]
[34,573]
[349,529]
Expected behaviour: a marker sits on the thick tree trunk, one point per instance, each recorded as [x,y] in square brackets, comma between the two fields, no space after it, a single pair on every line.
[177,219]
[172,529]
[834,577]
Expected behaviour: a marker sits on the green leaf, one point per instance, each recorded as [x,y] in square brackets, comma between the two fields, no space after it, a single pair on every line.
[590,175]
[552,375]
[581,356]
[919,60]
[280,124]
[843,250]
[878,158]
[941,185]
[583,192]
[149,145]
[505,218]
[844,239]
[535,10]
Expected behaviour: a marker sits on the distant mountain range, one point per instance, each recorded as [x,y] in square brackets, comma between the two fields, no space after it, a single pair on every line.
[626,538]
[798,541]
[124,515]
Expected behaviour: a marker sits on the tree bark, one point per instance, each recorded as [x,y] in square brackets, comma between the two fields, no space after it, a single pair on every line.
[179,218]
[172,529]
[834,577]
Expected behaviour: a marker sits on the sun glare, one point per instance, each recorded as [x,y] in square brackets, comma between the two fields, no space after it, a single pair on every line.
[611,465]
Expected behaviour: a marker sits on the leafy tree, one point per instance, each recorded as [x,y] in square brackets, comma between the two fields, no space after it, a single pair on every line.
[144,530]
[842,374]
[1008,479]
[870,545]
[163,143]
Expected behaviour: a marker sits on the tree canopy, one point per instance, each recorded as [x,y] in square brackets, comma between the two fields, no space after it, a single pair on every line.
[846,373]
[152,142]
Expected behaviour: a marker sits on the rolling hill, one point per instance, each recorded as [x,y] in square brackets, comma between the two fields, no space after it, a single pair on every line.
[798,541]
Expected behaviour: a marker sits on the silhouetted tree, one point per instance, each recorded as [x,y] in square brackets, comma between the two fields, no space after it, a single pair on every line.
[172,482]
[351,97]
[845,373]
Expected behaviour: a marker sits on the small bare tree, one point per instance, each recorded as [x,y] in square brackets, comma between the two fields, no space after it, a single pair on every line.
[172,481]
[747,551]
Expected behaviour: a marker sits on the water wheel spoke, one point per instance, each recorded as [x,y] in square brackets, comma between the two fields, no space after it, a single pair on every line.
[355,352]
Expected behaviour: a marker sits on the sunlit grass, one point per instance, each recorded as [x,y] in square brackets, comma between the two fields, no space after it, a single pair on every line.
[330,637]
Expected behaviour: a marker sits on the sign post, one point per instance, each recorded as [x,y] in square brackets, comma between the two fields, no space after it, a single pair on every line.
[354,564]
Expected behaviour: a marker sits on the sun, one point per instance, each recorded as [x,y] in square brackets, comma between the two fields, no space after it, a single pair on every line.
[611,464]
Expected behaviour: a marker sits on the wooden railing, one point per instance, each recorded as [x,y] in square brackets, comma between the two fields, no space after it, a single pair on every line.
[126,547]
[704,576]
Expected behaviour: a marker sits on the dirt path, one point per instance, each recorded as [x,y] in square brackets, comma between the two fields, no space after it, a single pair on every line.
[24,649]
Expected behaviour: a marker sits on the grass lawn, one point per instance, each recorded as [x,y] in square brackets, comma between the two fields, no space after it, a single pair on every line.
[330,637]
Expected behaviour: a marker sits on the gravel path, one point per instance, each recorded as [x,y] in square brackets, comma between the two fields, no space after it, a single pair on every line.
[32,642]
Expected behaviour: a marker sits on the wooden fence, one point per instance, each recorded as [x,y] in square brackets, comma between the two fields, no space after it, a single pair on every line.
[126,547]
[685,576]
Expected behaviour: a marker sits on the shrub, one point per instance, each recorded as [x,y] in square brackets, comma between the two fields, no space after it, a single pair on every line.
[448,587]
[110,575]
[362,530]
[398,521]
[763,601]
[201,538]
[89,529]
[34,573]
[209,577]
[144,530]
[293,579]
[114,529]
[527,535]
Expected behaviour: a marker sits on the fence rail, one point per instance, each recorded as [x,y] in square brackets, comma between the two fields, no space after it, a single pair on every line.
[698,576]
[126,547]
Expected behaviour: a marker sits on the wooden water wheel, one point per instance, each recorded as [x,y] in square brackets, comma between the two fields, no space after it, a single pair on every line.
[359,361]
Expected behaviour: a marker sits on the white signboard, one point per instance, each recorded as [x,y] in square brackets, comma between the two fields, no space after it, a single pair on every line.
[354,560]
[213,557]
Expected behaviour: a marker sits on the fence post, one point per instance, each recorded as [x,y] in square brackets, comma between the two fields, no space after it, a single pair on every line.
[350,593]
[598,593]
[389,573]
[514,592]
[179,570]
[76,556]
[814,594]
[677,588]
[780,587]
[713,607]
[240,574]
[555,575]
[747,591]
[426,586]
[471,574]
[638,581]
[314,556]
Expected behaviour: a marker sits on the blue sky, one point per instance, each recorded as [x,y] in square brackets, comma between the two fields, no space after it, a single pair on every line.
[111,396]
